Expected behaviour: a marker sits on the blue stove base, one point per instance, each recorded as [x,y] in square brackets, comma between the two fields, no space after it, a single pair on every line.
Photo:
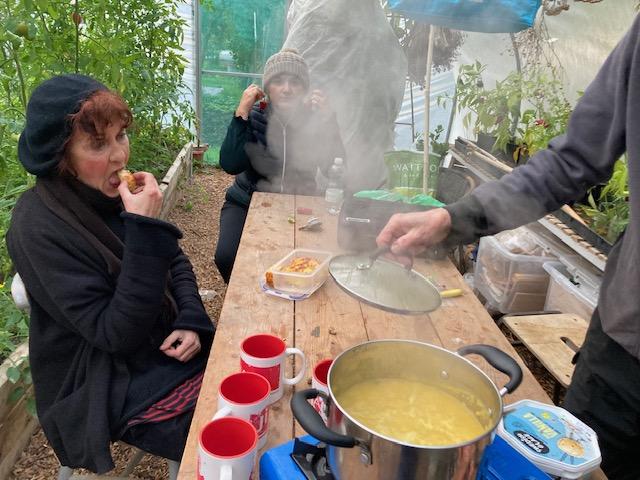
[500,462]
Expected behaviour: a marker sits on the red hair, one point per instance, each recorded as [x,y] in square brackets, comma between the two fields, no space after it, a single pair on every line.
[100,110]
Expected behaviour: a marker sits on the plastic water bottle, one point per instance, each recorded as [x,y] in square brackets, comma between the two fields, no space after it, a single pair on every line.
[334,193]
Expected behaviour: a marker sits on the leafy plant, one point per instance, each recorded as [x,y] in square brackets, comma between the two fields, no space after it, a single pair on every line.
[436,146]
[14,324]
[498,112]
[609,215]
[494,111]
[132,47]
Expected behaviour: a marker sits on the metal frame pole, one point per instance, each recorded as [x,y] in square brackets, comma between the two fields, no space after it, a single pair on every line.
[198,67]
[427,102]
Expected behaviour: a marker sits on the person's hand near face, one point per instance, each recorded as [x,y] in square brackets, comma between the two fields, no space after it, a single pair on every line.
[251,95]
[317,101]
[147,198]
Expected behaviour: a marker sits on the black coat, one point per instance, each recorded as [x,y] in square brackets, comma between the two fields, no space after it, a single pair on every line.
[93,340]
[255,152]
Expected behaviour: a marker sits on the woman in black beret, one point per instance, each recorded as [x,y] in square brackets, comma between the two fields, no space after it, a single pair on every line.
[118,337]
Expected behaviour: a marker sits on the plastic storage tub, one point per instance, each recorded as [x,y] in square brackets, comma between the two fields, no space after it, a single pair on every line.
[513,282]
[551,438]
[295,282]
[571,291]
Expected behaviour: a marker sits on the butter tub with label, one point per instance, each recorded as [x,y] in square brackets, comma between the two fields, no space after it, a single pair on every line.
[551,438]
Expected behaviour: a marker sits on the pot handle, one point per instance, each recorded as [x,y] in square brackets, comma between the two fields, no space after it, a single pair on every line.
[312,422]
[498,360]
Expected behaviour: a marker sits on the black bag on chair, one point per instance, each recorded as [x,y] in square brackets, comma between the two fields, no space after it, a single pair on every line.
[362,219]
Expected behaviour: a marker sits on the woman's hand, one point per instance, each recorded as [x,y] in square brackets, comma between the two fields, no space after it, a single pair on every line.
[318,102]
[412,233]
[147,198]
[181,345]
[251,95]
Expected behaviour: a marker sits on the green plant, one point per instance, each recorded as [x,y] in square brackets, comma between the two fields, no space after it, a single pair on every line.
[547,118]
[14,324]
[436,146]
[609,214]
[497,110]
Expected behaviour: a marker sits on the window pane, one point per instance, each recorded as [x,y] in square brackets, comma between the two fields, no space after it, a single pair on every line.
[239,35]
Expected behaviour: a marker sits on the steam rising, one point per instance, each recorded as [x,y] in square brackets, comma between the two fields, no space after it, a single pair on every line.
[355,58]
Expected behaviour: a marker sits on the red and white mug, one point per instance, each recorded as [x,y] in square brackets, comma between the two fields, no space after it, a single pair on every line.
[319,382]
[246,395]
[227,449]
[265,354]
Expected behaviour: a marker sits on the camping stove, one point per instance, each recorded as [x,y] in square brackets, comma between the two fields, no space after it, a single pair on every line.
[305,458]
[300,459]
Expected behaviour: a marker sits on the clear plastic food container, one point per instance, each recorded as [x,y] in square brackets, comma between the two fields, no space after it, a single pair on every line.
[571,291]
[303,282]
[510,275]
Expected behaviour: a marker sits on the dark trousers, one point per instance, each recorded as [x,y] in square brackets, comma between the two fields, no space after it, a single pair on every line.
[605,394]
[164,439]
[232,218]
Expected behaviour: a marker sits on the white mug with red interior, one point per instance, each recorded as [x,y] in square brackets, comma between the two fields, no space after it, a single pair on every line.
[266,354]
[319,382]
[246,395]
[227,449]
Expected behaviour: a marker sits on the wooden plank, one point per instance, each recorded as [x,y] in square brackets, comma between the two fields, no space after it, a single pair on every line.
[328,322]
[463,320]
[181,167]
[545,335]
[267,237]
[17,427]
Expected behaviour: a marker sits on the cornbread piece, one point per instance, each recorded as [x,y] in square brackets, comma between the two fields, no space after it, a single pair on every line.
[126,176]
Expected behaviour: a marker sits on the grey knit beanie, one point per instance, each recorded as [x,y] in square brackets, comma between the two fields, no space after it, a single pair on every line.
[287,60]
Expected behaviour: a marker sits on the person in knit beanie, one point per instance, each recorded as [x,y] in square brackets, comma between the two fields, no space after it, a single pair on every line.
[280,136]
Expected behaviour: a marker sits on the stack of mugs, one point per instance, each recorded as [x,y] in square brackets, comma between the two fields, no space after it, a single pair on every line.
[229,443]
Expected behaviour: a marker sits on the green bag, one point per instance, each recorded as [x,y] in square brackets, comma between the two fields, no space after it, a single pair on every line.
[406,169]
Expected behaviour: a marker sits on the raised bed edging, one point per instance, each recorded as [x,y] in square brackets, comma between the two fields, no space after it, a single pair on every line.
[16,424]
[182,166]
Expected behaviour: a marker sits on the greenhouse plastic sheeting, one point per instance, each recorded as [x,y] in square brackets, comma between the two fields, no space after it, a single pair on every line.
[354,56]
[491,16]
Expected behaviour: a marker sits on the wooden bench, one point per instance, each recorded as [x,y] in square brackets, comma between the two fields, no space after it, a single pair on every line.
[554,339]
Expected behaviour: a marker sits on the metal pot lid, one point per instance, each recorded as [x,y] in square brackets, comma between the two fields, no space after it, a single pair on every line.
[385,284]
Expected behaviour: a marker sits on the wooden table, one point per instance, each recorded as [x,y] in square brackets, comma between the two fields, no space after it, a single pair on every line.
[330,321]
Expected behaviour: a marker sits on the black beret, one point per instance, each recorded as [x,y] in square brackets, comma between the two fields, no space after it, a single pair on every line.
[47,126]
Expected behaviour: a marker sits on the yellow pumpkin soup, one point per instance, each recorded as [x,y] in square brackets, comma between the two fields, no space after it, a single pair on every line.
[413,412]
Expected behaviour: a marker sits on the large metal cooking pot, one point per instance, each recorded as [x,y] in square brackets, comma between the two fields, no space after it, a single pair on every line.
[355,451]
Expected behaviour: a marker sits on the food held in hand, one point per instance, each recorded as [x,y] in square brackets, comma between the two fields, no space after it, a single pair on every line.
[302,265]
[126,176]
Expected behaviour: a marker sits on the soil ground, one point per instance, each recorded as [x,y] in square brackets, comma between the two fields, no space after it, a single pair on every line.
[197,214]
